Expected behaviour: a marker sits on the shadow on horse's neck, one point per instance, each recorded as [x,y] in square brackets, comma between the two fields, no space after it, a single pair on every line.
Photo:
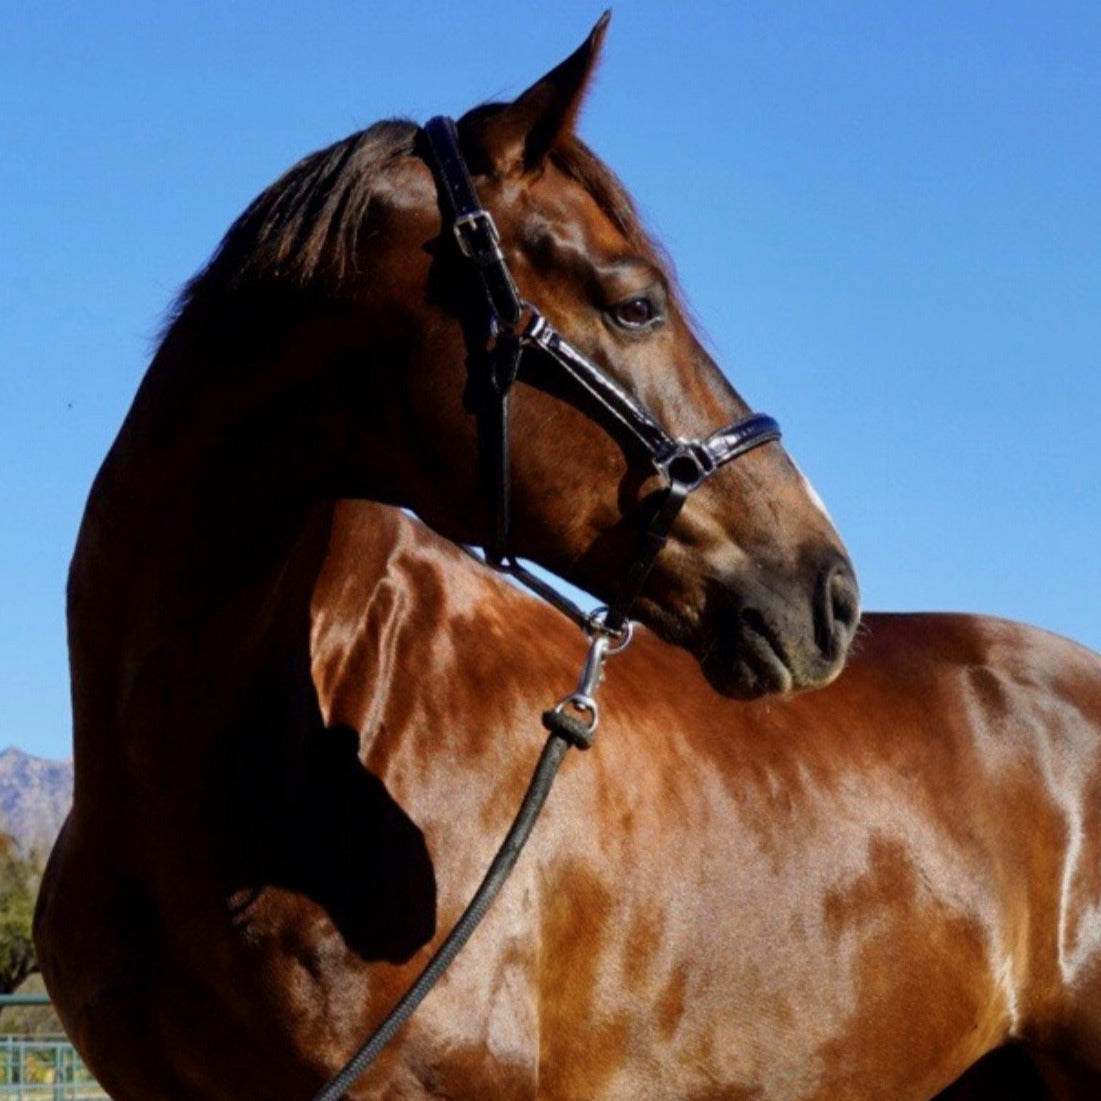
[219,473]
[203,537]
[190,626]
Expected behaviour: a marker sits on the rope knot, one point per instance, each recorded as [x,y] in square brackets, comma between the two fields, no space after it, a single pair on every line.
[570,728]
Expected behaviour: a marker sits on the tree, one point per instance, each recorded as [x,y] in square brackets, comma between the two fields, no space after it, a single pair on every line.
[18,886]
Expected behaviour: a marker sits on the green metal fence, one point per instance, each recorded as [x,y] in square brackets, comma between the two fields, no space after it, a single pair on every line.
[42,1067]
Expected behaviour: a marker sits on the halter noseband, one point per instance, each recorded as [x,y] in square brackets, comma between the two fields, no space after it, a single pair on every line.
[514,326]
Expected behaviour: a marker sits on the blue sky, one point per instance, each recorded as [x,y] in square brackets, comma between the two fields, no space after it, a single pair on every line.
[887,218]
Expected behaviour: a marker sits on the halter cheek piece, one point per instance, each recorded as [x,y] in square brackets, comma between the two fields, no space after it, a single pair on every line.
[684,464]
[514,327]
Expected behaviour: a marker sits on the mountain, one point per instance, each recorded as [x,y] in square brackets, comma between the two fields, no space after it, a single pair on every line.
[35,796]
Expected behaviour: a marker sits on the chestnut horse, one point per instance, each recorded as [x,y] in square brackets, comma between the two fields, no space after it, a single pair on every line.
[301,726]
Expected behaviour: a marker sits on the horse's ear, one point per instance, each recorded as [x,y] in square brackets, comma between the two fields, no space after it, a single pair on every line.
[517,137]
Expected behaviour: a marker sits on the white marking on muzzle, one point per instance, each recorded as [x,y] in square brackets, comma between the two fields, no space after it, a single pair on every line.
[812,493]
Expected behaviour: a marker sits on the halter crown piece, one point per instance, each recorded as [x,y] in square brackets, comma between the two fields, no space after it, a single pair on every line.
[684,464]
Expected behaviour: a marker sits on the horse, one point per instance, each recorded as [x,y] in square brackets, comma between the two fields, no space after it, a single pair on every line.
[791,866]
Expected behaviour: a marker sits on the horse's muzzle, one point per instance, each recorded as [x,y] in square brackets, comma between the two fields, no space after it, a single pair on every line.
[780,639]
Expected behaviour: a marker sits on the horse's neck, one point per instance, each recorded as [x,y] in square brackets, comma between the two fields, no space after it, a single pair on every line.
[190,587]
[389,590]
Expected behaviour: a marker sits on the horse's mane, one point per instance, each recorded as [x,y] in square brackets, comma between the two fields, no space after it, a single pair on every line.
[305,230]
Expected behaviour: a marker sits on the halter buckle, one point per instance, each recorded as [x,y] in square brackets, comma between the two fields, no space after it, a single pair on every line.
[477,236]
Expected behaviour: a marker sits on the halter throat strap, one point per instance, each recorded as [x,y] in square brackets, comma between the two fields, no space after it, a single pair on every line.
[684,464]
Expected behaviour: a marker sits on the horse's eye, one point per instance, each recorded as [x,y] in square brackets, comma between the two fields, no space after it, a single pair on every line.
[635,313]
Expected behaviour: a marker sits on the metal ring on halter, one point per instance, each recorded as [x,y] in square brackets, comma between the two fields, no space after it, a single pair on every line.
[497,326]
[686,463]
[619,639]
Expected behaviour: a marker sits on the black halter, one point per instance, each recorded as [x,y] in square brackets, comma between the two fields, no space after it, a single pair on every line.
[514,326]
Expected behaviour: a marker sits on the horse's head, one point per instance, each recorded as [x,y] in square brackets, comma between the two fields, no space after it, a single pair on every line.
[754,580]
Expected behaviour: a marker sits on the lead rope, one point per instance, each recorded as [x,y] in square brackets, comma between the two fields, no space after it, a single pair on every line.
[571,722]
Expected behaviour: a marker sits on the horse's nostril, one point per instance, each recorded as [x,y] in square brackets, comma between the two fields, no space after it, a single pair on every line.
[846,599]
[838,610]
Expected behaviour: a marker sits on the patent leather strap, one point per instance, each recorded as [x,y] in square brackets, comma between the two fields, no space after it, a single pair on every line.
[472,226]
[629,413]
[707,455]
